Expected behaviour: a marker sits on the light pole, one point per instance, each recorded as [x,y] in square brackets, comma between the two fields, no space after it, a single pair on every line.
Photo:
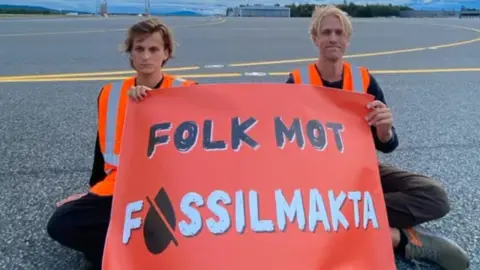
[103,7]
[147,7]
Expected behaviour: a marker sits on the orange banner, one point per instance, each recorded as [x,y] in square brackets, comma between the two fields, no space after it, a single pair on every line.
[248,176]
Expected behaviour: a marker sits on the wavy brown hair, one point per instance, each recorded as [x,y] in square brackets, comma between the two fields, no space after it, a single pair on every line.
[149,27]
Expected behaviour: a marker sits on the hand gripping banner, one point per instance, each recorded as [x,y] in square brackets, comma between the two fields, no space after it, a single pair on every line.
[248,177]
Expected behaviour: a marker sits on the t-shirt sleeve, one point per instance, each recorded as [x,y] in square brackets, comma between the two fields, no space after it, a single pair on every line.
[290,79]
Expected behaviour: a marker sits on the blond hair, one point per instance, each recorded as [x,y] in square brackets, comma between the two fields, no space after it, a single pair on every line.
[148,27]
[321,12]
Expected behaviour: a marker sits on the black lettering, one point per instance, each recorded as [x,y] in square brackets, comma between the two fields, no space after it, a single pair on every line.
[337,129]
[154,140]
[208,144]
[186,136]
[319,140]
[239,133]
[291,133]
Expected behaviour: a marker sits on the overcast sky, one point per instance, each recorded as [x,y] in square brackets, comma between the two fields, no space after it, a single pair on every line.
[89,5]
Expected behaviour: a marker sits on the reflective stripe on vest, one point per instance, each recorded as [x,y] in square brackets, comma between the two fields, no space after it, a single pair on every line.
[356,77]
[178,82]
[111,129]
[112,113]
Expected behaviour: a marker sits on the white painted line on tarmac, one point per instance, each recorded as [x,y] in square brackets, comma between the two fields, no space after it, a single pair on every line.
[255,74]
[214,66]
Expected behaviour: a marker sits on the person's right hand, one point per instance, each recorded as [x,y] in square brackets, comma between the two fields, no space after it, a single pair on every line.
[137,93]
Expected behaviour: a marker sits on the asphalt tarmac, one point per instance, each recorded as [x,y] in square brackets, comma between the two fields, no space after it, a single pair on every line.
[428,69]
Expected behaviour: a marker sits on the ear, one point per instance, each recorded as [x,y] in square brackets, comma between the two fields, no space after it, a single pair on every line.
[167,55]
[314,40]
[348,41]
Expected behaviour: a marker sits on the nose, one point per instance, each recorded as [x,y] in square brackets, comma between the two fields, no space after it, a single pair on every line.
[145,54]
[332,38]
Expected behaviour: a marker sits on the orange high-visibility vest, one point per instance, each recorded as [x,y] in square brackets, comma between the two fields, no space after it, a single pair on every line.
[355,79]
[111,117]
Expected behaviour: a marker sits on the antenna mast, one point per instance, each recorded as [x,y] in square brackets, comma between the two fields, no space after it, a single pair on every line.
[147,7]
[103,7]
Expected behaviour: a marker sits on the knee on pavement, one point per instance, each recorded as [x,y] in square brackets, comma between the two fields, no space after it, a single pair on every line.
[61,227]
[440,206]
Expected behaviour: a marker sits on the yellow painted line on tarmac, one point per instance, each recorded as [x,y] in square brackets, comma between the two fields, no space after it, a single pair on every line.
[214,75]
[390,52]
[232,74]
[418,71]
[63,79]
[402,71]
[101,30]
[89,74]
[291,61]
[110,78]
[215,22]
[248,64]
[55,33]
[458,26]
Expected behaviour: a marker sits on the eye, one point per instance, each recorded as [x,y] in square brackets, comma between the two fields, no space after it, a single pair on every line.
[326,32]
[154,49]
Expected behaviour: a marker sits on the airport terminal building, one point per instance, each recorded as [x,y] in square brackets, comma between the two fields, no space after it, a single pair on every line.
[261,11]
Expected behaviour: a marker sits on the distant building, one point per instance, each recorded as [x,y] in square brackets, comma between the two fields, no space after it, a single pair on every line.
[104,9]
[260,11]
[469,13]
[428,13]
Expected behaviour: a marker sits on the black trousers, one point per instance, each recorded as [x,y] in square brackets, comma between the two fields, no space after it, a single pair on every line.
[82,225]
[411,199]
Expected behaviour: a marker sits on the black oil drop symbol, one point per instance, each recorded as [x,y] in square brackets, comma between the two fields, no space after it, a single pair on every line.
[159,223]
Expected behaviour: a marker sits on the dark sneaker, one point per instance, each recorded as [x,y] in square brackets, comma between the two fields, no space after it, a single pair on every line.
[427,246]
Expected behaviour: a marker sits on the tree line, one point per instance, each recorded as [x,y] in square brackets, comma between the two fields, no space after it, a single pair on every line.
[354,10]
[27,11]
[30,10]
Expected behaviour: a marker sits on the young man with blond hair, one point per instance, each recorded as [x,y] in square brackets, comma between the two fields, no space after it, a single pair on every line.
[411,199]
[81,221]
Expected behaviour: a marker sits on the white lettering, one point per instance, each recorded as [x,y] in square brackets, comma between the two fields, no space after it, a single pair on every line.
[369,211]
[239,212]
[355,196]
[194,227]
[257,224]
[327,209]
[292,210]
[131,223]
[223,223]
[335,209]
[318,211]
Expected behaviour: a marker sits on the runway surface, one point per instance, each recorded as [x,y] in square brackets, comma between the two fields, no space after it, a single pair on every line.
[428,69]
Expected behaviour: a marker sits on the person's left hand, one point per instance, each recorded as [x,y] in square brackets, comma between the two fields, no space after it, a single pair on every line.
[381,118]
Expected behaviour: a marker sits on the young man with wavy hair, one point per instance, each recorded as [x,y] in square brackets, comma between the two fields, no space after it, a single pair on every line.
[81,221]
